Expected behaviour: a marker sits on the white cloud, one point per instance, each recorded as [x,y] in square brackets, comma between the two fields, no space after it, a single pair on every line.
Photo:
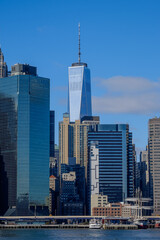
[128,95]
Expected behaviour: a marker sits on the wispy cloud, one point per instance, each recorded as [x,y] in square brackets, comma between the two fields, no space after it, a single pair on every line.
[128,95]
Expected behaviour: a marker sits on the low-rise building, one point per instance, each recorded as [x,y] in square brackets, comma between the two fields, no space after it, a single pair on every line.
[111,210]
[98,200]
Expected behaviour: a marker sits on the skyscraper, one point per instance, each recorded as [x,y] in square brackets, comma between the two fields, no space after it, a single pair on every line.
[52,134]
[154,162]
[79,98]
[73,148]
[144,173]
[24,139]
[3,66]
[73,140]
[72,193]
[111,162]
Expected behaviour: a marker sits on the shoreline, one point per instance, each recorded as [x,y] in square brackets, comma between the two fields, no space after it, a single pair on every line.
[67,226]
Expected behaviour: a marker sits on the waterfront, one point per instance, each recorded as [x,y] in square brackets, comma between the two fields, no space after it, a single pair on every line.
[59,234]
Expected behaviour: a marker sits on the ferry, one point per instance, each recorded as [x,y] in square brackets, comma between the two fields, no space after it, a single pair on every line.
[95,224]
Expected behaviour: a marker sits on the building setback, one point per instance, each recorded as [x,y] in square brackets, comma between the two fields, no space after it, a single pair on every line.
[111,162]
[24,139]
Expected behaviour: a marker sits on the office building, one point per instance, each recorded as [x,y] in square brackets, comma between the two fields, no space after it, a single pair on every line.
[98,200]
[23,69]
[3,66]
[111,210]
[3,188]
[73,140]
[79,98]
[154,162]
[53,166]
[70,201]
[134,168]
[52,133]
[111,162]
[80,177]
[53,194]
[144,173]
[24,140]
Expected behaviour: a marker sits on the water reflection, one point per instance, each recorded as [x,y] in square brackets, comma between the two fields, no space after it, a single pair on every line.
[59,234]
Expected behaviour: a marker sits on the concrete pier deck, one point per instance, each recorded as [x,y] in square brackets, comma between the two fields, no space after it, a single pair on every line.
[27,226]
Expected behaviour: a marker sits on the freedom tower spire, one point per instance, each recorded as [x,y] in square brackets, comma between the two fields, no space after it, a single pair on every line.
[79,44]
[79,94]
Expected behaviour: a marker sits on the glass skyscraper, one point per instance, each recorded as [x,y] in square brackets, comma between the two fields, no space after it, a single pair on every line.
[52,127]
[24,140]
[79,92]
[111,162]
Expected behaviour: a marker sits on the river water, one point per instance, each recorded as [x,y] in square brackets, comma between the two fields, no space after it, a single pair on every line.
[79,234]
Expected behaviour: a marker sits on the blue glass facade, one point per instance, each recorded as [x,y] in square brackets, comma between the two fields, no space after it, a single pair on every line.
[52,127]
[115,160]
[24,133]
[72,196]
[79,99]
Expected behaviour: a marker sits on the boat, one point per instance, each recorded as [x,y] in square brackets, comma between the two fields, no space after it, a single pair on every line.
[142,224]
[95,224]
[157,224]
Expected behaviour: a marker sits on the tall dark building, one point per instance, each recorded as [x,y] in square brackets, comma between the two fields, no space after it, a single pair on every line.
[111,162]
[24,140]
[144,173]
[3,188]
[52,133]
[72,192]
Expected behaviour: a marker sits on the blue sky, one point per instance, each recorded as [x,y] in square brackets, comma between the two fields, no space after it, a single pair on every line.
[120,41]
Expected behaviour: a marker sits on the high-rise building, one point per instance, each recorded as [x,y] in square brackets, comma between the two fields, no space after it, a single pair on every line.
[24,140]
[73,140]
[70,199]
[144,173]
[3,188]
[80,177]
[154,162]
[3,66]
[111,162]
[79,98]
[53,194]
[52,133]
[134,169]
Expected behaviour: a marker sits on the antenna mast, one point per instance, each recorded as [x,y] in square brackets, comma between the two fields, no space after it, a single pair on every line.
[79,53]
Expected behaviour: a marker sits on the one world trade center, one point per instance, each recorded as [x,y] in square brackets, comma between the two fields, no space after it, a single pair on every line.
[79,98]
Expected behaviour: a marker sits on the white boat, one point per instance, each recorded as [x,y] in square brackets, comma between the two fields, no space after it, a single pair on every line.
[95,224]
[140,223]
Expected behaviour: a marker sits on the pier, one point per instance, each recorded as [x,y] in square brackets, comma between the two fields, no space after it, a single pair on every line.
[47,226]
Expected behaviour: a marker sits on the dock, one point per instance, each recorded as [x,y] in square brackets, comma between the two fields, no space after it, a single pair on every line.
[47,226]
[27,226]
[120,227]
